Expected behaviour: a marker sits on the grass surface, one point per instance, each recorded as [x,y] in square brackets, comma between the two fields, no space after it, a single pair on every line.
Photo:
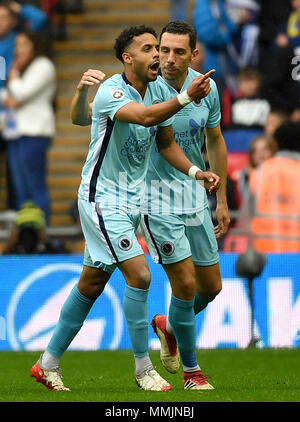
[258,375]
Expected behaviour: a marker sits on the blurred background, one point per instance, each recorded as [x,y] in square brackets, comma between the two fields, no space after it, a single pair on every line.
[254,45]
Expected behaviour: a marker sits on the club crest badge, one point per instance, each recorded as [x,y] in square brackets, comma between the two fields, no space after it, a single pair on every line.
[168,248]
[117,94]
[125,243]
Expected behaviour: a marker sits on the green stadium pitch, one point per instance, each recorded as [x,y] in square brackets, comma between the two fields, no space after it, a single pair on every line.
[249,375]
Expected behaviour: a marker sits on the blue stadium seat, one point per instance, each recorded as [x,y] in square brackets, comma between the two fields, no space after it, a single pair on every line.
[238,140]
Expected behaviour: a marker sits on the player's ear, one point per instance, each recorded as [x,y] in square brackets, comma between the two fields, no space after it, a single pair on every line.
[195,53]
[127,58]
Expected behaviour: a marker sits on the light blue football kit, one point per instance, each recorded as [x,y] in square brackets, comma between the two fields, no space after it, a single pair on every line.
[113,177]
[109,199]
[177,220]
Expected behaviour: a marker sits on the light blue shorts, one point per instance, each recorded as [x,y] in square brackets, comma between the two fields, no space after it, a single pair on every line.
[172,238]
[109,235]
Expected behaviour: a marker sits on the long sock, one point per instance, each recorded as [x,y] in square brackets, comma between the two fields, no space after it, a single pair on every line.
[141,364]
[182,320]
[200,303]
[136,313]
[49,361]
[72,316]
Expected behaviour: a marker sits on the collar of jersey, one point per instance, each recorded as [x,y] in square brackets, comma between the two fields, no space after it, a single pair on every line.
[170,86]
[131,88]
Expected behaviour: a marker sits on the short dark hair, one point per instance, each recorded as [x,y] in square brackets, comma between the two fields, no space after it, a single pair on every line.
[126,38]
[250,73]
[181,28]
[41,46]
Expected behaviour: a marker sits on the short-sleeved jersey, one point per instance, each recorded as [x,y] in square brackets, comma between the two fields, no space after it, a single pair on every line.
[118,157]
[170,191]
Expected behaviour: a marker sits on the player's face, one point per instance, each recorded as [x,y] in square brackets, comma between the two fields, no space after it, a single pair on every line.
[7,22]
[175,55]
[144,57]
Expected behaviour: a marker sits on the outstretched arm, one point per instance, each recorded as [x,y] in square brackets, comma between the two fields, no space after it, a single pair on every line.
[80,106]
[154,114]
[172,152]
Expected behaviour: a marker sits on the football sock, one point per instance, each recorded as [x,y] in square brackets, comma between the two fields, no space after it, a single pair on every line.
[200,303]
[141,364]
[72,316]
[182,320]
[49,361]
[136,313]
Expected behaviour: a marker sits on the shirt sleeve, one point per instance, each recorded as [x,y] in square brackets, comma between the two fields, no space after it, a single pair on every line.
[35,18]
[109,99]
[214,117]
[165,96]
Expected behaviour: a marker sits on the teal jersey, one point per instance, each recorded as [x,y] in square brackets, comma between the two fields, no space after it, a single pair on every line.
[170,191]
[118,157]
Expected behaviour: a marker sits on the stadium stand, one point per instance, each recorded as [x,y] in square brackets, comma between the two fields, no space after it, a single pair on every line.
[89,44]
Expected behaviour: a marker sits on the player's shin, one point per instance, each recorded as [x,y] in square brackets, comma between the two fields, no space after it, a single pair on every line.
[136,314]
[72,316]
[182,320]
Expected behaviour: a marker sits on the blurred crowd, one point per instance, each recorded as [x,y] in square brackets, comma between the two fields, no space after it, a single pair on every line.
[27,98]
[254,46]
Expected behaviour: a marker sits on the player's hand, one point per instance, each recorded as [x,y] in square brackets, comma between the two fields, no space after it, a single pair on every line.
[223,218]
[91,77]
[210,179]
[200,86]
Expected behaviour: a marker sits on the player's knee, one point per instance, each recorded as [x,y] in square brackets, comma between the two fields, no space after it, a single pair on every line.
[92,282]
[185,288]
[140,279]
[213,292]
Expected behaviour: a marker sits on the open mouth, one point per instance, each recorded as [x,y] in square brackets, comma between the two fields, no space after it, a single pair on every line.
[154,67]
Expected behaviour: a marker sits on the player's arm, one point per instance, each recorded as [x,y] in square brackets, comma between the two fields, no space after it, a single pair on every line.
[172,152]
[217,157]
[81,108]
[154,114]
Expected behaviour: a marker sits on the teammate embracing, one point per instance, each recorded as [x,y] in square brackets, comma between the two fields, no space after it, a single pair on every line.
[176,219]
[178,226]
[129,113]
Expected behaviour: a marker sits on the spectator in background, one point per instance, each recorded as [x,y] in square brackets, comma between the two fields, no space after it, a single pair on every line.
[28,235]
[248,51]
[295,115]
[279,86]
[178,10]
[273,13]
[261,148]
[250,110]
[30,125]
[274,120]
[12,16]
[290,31]
[220,36]
[276,205]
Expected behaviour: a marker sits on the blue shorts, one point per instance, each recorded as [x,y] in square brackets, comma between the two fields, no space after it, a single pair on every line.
[172,238]
[109,235]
